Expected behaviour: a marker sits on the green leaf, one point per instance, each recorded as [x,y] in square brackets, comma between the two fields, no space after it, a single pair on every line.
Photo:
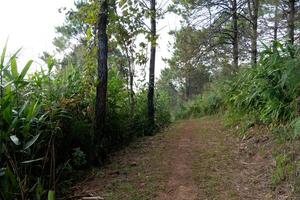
[31,142]
[51,195]
[3,55]
[13,56]
[7,114]
[31,110]
[50,64]
[7,84]
[25,70]
[14,68]
[6,73]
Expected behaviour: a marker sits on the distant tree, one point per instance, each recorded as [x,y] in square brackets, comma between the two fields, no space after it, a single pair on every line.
[186,75]
[220,18]
[291,20]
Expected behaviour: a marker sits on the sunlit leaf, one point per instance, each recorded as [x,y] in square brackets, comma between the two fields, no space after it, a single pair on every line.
[31,142]
[25,70]
[31,161]
[14,68]
[15,139]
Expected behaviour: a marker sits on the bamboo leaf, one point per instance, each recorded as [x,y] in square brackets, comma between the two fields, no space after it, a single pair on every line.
[31,142]
[14,68]
[31,161]
[3,55]
[25,70]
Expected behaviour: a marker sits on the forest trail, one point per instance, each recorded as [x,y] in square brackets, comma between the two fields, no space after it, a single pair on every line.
[192,160]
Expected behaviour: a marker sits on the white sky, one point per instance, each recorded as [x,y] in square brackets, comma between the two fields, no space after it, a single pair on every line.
[30,24]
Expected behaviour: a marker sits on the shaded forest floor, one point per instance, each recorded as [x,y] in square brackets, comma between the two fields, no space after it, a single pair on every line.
[193,159]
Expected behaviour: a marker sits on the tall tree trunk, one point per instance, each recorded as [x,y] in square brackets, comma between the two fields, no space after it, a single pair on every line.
[101,90]
[253,6]
[152,67]
[276,21]
[291,21]
[235,41]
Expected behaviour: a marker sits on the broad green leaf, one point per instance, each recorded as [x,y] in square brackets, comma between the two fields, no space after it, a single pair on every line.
[3,55]
[14,68]
[51,195]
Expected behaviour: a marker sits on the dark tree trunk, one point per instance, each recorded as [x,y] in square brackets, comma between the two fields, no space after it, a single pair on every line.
[152,67]
[101,90]
[253,10]
[235,41]
[276,21]
[291,21]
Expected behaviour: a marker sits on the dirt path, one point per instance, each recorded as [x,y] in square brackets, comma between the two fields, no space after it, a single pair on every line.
[180,184]
[194,159]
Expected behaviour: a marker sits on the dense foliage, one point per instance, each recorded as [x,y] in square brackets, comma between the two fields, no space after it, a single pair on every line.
[51,111]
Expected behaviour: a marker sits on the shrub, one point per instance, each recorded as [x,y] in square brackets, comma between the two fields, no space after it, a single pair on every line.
[208,103]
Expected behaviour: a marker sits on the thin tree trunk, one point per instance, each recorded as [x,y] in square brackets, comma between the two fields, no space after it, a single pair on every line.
[188,88]
[130,81]
[132,103]
[235,41]
[101,90]
[291,21]
[253,10]
[152,67]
